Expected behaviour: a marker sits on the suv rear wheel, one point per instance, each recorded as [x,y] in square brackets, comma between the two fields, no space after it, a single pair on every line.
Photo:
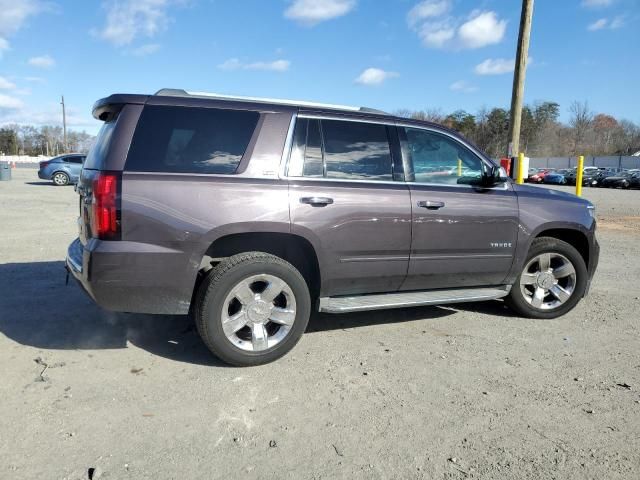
[552,281]
[252,308]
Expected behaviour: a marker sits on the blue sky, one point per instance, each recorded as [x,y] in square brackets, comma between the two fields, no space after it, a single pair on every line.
[388,54]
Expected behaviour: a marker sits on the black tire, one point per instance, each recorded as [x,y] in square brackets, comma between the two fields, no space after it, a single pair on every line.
[60,179]
[217,285]
[516,299]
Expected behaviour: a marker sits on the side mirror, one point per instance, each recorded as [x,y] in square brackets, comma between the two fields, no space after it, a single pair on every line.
[491,177]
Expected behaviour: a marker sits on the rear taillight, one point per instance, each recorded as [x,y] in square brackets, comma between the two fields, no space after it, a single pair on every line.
[105,218]
[43,164]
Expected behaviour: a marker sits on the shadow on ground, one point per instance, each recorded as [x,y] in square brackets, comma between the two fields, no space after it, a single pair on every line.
[45,183]
[38,310]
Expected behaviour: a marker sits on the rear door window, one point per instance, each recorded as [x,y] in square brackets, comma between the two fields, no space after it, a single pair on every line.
[190,140]
[356,150]
[341,150]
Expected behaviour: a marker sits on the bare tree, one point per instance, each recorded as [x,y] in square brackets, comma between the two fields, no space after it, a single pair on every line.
[403,113]
[580,122]
[45,140]
[542,133]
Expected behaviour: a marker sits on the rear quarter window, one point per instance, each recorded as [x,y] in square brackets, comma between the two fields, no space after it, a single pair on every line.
[190,140]
[98,152]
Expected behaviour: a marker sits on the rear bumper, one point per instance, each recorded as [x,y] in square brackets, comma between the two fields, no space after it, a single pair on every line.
[43,176]
[133,277]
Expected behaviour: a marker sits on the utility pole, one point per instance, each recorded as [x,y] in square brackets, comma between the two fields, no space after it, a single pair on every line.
[64,126]
[519,76]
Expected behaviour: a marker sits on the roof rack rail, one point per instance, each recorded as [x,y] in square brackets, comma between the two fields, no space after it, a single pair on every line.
[177,92]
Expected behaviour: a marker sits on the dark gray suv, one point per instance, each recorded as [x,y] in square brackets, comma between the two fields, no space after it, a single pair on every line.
[250,213]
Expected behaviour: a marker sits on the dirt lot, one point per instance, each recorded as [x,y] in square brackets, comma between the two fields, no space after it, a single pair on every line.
[465,391]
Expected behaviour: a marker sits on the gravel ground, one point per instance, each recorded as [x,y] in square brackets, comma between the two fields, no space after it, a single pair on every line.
[457,392]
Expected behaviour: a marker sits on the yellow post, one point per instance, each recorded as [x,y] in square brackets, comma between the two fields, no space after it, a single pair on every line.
[520,172]
[579,175]
[459,167]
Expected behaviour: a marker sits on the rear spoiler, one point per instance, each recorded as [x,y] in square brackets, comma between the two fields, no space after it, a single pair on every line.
[107,108]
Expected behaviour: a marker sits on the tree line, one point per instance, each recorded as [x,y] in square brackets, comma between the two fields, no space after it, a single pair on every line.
[541,134]
[44,140]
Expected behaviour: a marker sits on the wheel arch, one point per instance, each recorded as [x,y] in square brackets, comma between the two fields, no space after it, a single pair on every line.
[574,237]
[293,248]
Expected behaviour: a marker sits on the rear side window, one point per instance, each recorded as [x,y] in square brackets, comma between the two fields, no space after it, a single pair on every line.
[190,140]
[341,149]
[98,152]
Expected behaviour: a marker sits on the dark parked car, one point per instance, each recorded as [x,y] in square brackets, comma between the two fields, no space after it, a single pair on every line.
[621,180]
[62,170]
[554,178]
[250,214]
[596,180]
[588,174]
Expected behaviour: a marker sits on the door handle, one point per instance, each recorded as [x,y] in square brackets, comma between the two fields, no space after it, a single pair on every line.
[317,201]
[430,204]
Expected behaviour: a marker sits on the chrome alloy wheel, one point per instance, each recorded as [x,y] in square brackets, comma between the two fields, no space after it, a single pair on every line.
[548,281]
[259,312]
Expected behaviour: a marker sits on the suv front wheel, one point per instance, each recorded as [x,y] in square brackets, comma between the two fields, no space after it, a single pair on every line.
[552,282]
[252,308]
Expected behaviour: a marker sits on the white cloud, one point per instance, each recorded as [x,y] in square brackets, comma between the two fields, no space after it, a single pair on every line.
[604,23]
[144,50]
[274,66]
[48,114]
[496,66]
[6,84]
[484,28]
[462,86]
[9,103]
[597,3]
[312,12]
[129,19]
[35,79]
[4,46]
[499,66]
[437,35]
[437,29]
[427,9]
[598,25]
[43,61]
[374,76]
[617,22]
[13,14]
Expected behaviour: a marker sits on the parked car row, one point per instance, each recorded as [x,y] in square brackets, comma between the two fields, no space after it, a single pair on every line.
[620,180]
[591,177]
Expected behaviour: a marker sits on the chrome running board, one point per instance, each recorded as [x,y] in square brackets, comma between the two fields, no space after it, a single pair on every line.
[360,303]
